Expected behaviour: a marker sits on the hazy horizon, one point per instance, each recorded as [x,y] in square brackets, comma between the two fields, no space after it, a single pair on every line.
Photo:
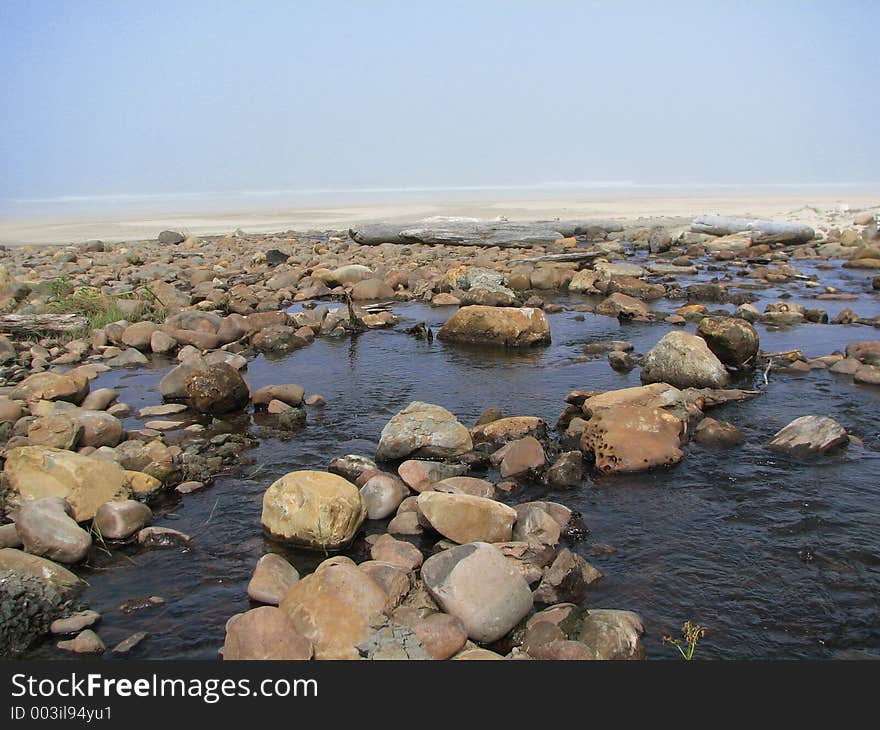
[122,103]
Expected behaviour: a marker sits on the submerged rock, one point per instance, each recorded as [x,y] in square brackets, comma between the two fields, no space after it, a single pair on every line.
[613,634]
[710,432]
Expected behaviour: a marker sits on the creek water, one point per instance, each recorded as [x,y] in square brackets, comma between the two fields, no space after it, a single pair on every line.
[777,557]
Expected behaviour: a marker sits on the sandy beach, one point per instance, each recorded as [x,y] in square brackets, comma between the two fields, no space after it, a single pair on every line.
[820,210]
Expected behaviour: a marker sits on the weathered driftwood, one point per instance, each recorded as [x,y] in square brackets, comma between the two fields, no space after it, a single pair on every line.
[769,231]
[504,234]
[563,257]
[42,323]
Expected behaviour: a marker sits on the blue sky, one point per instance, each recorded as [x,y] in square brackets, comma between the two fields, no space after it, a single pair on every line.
[175,97]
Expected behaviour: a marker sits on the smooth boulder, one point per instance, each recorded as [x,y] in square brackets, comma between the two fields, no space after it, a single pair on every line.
[810,435]
[265,633]
[333,607]
[506,326]
[120,520]
[313,509]
[86,483]
[273,576]
[477,585]
[47,529]
[464,518]
[425,430]
[217,390]
[734,341]
[685,361]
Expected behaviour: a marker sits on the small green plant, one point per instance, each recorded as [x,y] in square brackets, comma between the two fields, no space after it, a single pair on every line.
[691,633]
[319,528]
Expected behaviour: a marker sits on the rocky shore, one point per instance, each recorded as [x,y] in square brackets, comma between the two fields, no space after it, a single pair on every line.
[500,577]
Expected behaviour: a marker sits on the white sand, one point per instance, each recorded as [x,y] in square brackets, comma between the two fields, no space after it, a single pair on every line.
[819,210]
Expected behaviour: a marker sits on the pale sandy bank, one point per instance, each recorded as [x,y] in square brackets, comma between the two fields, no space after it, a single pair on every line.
[820,211]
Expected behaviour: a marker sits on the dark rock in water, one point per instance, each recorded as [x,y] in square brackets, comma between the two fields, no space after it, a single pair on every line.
[707,293]
[162,537]
[566,580]
[171,237]
[138,604]
[734,341]
[278,338]
[351,466]
[28,606]
[685,361]
[292,419]
[621,361]
[488,416]
[710,432]
[216,390]
[275,257]
[567,471]
[818,316]
[600,348]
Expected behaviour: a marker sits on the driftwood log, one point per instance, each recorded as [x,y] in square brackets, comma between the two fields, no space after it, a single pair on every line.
[768,231]
[37,324]
[504,234]
[563,257]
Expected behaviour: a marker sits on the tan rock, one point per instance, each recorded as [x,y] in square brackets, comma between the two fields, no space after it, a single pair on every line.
[273,576]
[332,607]
[86,483]
[508,326]
[265,633]
[18,561]
[313,509]
[632,438]
[464,518]
[503,430]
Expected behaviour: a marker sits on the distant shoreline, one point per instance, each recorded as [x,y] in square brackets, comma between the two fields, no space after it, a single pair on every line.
[817,208]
